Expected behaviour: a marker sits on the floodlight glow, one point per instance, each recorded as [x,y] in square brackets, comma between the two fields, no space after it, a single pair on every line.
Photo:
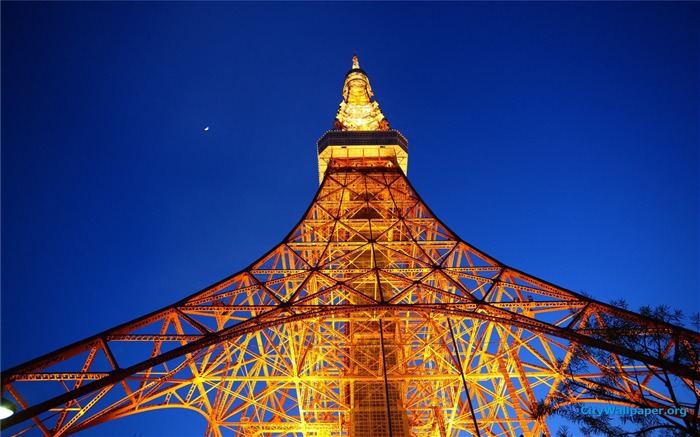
[7,408]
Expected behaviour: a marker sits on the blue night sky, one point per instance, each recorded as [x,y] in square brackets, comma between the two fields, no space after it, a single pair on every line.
[560,138]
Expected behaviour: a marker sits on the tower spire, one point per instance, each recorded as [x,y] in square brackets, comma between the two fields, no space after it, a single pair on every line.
[361,137]
[357,111]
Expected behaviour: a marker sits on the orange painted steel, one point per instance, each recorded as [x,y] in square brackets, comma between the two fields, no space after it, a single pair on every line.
[370,308]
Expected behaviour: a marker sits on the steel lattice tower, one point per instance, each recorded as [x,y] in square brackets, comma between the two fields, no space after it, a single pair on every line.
[370,319]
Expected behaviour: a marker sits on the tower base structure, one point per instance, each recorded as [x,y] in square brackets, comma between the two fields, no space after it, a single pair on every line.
[370,319]
[370,308]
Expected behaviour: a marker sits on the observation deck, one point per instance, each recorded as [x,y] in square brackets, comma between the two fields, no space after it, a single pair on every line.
[381,148]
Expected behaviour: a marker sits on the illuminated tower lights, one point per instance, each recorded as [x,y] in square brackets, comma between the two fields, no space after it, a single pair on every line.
[370,319]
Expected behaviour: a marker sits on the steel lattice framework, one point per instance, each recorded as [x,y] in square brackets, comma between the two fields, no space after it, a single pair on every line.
[370,309]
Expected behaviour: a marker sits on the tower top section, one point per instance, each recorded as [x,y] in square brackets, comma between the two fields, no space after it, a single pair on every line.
[357,111]
[361,137]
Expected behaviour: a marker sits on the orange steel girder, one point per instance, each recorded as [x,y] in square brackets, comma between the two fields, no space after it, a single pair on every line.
[281,347]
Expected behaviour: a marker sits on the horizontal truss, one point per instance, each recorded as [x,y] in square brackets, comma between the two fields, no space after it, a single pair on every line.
[285,346]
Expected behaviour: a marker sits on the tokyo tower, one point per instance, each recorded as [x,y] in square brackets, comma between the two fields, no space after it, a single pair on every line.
[370,319]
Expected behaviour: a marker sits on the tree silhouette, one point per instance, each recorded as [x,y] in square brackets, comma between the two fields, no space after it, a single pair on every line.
[615,403]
